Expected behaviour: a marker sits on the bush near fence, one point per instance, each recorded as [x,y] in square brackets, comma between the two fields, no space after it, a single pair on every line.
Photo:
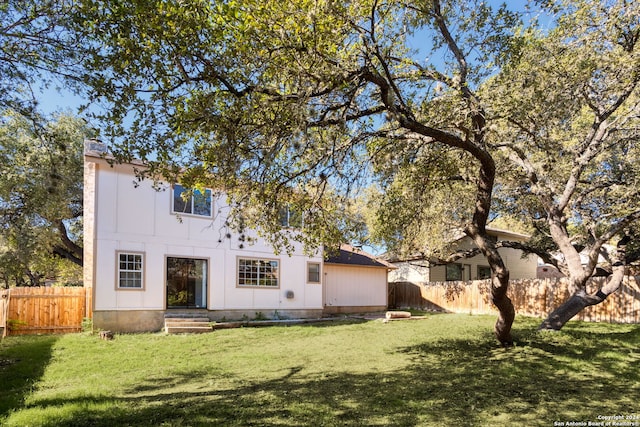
[531,297]
[44,310]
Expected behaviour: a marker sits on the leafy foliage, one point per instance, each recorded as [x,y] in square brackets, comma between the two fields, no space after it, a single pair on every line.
[567,121]
[40,196]
[298,103]
[36,49]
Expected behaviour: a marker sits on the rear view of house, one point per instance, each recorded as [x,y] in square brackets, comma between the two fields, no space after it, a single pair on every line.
[151,252]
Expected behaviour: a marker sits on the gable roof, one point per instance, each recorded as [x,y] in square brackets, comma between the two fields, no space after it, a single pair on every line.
[349,255]
[499,234]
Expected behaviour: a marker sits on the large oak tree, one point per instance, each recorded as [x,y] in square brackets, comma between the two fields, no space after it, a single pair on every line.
[40,157]
[304,102]
[40,194]
[277,102]
[567,109]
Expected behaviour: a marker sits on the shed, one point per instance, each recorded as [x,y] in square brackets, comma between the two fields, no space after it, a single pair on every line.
[355,281]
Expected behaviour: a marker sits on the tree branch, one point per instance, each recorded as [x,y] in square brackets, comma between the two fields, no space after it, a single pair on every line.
[69,249]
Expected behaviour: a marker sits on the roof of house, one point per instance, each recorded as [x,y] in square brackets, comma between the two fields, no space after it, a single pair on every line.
[97,150]
[500,234]
[349,255]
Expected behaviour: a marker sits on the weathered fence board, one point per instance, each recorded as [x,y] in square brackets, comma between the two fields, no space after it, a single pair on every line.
[4,308]
[44,310]
[531,297]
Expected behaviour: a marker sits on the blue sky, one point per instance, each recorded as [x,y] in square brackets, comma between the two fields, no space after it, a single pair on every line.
[61,100]
[54,100]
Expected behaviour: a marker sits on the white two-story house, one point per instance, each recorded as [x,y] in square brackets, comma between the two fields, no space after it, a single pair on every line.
[148,252]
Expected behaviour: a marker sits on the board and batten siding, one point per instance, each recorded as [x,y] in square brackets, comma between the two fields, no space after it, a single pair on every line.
[135,216]
[351,288]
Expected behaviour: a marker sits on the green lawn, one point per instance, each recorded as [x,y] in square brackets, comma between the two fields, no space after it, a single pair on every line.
[445,370]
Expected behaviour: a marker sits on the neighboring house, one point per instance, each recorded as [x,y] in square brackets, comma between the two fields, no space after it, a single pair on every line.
[420,270]
[149,252]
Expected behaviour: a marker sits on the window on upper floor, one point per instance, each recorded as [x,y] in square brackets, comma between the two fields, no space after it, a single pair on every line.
[290,218]
[195,202]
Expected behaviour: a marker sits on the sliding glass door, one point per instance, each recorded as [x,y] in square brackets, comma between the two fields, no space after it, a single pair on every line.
[186,282]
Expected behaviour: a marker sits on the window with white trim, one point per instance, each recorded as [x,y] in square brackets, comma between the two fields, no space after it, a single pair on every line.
[130,270]
[258,272]
[197,202]
[313,272]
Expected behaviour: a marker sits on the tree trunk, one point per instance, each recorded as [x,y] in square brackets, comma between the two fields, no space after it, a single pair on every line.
[581,300]
[68,250]
[34,278]
[506,311]
[499,285]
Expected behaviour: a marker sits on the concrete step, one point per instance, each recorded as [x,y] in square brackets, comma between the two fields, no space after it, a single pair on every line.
[186,325]
[187,329]
[187,319]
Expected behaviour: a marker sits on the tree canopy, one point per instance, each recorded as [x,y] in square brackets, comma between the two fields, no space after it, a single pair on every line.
[36,50]
[40,196]
[456,111]
[305,96]
[40,157]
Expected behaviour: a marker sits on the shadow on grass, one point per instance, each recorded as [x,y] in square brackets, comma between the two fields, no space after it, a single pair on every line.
[568,376]
[23,360]
[575,376]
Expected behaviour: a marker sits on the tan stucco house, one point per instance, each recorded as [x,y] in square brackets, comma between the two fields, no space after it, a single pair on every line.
[420,270]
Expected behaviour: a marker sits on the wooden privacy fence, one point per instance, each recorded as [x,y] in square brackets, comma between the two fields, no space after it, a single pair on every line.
[531,297]
[43,310]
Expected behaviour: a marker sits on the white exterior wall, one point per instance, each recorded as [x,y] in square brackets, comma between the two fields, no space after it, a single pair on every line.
[354,286]
[139,219]
[519,268]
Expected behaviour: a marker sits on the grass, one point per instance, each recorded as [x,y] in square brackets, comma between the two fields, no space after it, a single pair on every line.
[443,370]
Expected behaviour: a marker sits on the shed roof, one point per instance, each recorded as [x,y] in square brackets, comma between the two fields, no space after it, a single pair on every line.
[349,255]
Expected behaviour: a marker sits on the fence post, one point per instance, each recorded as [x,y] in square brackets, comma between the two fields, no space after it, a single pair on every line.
[4,309]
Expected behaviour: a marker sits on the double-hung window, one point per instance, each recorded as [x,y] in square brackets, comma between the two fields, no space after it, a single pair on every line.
[258,272]
[194,202]
[313,272]
[484,272]
[130,270]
